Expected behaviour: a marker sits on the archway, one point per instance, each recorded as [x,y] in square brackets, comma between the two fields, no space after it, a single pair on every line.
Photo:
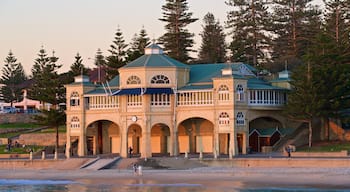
[196,135]
[103,137]
[160,139]
[263,131]
[135,139]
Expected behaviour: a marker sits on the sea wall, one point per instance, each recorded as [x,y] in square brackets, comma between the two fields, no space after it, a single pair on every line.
[280,162]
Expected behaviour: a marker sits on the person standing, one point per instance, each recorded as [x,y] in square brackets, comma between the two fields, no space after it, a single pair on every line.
[130,151]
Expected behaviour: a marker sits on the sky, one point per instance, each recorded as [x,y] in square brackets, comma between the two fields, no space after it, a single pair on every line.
[68,27]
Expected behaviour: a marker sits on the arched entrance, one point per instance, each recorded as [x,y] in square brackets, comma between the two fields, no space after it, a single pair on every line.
[103,137]
[160,139]
[135,139]
[263,131]
[196,135]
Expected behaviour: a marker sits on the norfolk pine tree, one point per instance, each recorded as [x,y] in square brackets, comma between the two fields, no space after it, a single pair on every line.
[48,88]
[213,47]
[12,76]
[138,45]
[177,40]
[292,22]
[118,55]
[78,68]
[249,22]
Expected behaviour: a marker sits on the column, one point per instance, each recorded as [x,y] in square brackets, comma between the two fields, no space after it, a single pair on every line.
[124,142]
[68,144]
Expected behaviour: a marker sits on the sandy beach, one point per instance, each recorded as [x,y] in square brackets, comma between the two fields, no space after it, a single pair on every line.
[210,178]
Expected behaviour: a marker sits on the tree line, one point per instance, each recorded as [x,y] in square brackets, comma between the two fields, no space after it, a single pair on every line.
[268,34]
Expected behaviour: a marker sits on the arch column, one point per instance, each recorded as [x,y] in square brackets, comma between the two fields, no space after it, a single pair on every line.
[245,142]
[174,145]
[216,147]
[146,138]
[82,144]
[146,144]
[68,145]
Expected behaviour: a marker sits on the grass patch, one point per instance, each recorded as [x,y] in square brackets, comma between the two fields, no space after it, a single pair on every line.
[61,129]
[326,147]
[20,149]
[18,125]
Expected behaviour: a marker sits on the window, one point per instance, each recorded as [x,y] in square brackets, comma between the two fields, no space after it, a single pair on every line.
[224,119]
[240,92]
[240,118]
[160,79]
[224,94]
[132,80]
[74,99]
[74,123]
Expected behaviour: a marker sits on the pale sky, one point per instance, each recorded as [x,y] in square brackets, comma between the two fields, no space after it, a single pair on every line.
[71,26]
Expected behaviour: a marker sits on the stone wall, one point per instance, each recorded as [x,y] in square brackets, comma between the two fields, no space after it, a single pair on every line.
[42,139]
[16,118]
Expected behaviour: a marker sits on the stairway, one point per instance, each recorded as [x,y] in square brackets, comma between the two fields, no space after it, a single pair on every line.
[297,138]
[99,163]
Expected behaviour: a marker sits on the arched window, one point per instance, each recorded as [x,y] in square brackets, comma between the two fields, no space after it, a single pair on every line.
[74,123]
[224,94]
[240,92]
[224,119]
[133,80]
[240,118]
[74,99]
[160,79]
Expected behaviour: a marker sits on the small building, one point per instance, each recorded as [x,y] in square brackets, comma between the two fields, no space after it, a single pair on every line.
[160,106]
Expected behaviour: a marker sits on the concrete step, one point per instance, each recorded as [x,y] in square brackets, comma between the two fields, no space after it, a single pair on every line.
[98,164]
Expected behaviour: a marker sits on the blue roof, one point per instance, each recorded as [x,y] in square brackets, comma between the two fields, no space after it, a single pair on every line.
[255,83]
[200,73]
[196,87]
[114,82]
[155,60]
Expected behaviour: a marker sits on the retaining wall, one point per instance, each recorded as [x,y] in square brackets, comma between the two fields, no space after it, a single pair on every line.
[16,118]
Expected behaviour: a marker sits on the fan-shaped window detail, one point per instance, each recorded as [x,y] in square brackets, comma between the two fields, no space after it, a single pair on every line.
[224,119]
[133,80]
[74,123]
[224,94]
[160,79]
[240,118]
[74,99]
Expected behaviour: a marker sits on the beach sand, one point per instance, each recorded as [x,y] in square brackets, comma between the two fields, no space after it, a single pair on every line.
[208,177]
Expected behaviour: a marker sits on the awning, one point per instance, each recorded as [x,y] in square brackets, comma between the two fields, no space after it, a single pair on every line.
[159,91]
[140,91]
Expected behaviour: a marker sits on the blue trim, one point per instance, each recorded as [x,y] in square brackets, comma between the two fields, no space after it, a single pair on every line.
[159,91]
[139,91]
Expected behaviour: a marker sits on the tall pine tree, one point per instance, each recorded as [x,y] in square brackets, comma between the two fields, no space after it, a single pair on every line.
[249,22]
[12,76]
[78,68]
[138,45]
[294,23]
[118,55]
[213,47]
[177,40]
[337,20]
[48,88]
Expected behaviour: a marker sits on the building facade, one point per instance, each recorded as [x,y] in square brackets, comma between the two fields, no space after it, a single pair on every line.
[160,106]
